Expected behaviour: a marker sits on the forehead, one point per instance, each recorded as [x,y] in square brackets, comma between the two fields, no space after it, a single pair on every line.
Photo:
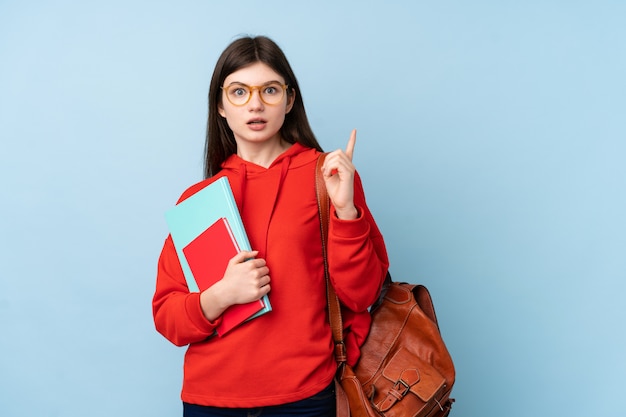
[253,74]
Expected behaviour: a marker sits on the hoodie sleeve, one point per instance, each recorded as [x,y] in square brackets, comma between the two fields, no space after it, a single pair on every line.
[357,257]
[177,312]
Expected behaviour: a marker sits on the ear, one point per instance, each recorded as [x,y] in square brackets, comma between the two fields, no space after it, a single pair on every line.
[291,98]
[220,110]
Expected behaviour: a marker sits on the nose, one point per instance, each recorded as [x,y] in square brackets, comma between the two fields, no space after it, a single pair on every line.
[255,101]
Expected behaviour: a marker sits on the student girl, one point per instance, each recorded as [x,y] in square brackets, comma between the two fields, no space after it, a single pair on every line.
[280,363]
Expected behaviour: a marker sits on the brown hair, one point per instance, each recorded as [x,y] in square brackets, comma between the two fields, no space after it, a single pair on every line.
[220,141]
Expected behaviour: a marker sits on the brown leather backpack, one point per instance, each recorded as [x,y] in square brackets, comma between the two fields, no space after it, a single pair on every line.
[405,369]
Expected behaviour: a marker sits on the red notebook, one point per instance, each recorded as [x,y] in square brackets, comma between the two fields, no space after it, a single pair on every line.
[208,255]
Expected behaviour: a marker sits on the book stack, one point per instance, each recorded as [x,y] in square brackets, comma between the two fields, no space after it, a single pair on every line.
[207,232]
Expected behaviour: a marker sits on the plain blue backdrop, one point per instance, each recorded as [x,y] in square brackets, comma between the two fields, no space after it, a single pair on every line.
[492,139]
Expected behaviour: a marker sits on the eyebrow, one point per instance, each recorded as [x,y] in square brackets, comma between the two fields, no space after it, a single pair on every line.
[265,83]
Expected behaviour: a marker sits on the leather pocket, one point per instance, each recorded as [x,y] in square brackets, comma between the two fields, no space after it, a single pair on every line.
[407,386]
[429,383]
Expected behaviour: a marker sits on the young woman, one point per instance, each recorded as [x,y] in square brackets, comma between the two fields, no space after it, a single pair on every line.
[280,363]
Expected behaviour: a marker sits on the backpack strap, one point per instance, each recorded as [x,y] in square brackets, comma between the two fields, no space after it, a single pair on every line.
[334,308]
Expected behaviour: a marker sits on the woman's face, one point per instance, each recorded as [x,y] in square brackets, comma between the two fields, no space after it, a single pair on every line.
[255,122]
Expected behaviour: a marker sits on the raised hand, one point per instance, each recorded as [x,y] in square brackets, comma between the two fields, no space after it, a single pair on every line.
[338,171]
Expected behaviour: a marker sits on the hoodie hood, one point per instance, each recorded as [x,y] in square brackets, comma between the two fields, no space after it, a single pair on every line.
[297,155]
[253,183]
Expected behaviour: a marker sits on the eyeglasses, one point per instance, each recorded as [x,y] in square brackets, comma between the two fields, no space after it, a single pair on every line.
[239,94]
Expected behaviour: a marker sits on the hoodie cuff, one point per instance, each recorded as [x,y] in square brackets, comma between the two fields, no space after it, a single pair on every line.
[349,228]
[195,314]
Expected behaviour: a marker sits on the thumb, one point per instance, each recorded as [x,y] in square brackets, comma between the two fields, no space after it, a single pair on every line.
[244,256]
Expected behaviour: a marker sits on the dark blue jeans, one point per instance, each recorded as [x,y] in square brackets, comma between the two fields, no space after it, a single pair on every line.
[321,404]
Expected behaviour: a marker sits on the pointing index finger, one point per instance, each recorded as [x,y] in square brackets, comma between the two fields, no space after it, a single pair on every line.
[351,142]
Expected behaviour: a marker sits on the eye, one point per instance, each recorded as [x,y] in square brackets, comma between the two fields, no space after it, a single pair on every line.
[272,89]
[238,91]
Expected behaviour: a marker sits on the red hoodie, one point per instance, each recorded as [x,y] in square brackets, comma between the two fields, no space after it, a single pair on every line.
[287,354]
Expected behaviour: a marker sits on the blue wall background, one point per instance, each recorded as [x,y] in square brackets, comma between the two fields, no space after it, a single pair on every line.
[491,142]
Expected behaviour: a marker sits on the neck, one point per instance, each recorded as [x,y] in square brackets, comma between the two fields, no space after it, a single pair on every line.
[262,154]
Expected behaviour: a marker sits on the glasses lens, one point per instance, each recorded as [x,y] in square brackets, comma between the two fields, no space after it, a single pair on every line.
[272,93]
[238,94]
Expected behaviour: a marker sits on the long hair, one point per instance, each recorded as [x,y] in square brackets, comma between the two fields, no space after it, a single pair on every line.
[220,141]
